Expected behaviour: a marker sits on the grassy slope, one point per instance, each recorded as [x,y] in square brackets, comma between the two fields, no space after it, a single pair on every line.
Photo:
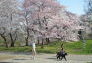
[70,47]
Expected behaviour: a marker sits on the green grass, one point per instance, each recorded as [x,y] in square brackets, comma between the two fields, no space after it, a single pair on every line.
[70,47]
[89,62]
[16,49]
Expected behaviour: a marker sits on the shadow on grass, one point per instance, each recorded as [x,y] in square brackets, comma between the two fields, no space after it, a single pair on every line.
[24,53]
[7,62]
[52,58]
[20,59]
[55,59]
[89,62]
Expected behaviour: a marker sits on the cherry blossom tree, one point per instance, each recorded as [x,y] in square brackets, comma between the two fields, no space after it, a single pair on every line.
[38,20]
[49,19]
[40,10]
[87,21]
[8,10]
[87,18]
[65,26]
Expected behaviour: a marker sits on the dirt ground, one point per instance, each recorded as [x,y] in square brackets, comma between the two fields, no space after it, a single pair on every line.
[42,58]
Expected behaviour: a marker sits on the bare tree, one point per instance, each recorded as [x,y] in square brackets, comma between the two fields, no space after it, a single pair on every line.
[88,6]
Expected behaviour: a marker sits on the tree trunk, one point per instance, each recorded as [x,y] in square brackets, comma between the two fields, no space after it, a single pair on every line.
[12,44]
[6,44]
[38,41]
[27,30]
[27,38]
[42,46]
[47,40]
[12,41]
[4,38]
[26,41]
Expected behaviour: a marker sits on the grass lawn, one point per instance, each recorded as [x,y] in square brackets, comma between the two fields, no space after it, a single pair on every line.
[70,47]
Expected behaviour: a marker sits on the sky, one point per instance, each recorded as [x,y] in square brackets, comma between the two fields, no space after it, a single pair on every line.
[74,6]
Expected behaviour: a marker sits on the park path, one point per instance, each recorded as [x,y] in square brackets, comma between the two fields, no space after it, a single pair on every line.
[45,58]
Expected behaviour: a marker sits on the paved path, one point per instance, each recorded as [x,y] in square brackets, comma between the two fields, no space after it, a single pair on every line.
[45,58]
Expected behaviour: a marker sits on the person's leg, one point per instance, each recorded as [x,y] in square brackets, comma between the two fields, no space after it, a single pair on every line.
[57,56]
[61,57]
[65,58]
[33,53]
